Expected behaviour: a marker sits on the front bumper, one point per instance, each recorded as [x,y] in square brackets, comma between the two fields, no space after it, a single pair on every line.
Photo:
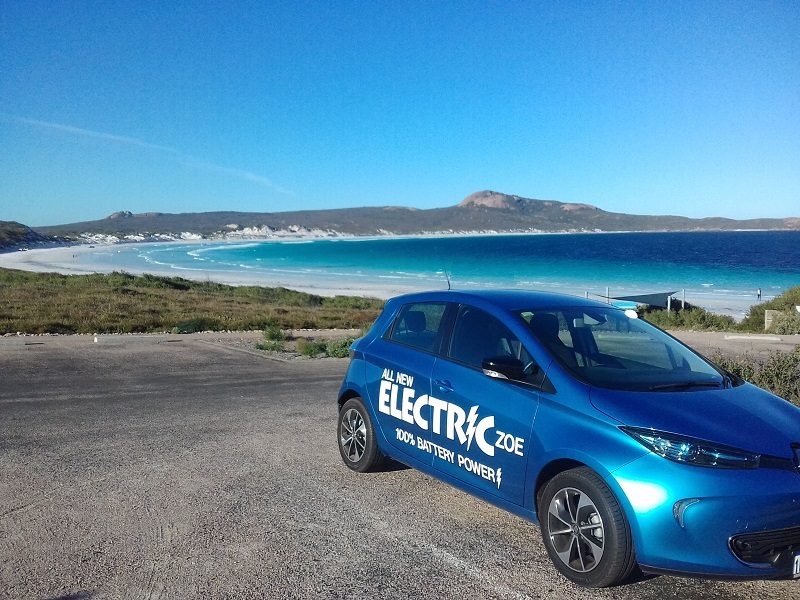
[710,522]
[779,548]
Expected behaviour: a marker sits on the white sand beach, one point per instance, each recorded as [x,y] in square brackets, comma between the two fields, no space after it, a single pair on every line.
[99,258]
[81,260]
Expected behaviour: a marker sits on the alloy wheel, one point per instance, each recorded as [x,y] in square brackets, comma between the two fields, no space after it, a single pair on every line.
[354,435]
[576,529]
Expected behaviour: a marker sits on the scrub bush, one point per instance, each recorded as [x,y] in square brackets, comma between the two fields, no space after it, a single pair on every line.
[275,339]
[339,348]
[786,324]
[785,303]
[59,328]
[741,367]
[312,348]
[698,319]
[692,317]
[779,373]
[123,303]
[197,325]
[273,333]
[271,345]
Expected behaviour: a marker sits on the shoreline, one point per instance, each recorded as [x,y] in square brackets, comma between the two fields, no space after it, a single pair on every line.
[62,259]
[83,259]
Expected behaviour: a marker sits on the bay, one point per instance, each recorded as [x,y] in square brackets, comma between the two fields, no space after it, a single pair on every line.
[710,268]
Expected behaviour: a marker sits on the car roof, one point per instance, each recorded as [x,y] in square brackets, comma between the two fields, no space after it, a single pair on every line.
[504,299]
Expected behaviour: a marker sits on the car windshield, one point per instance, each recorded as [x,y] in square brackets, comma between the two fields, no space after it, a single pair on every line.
[611,349]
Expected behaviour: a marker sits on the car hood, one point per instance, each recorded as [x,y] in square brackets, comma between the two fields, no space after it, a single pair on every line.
[744,417]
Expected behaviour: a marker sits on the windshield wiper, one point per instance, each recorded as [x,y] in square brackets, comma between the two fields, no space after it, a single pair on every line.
[683,385]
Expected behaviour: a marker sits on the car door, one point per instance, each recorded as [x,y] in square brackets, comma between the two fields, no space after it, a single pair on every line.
[487,422]
[398,376]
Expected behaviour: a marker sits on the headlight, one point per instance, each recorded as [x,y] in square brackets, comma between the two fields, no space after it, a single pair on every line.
[692,451]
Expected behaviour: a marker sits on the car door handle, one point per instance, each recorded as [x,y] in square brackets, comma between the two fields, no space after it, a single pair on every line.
[444,385]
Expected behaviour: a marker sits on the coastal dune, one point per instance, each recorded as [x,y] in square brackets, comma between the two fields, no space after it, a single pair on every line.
[82,260]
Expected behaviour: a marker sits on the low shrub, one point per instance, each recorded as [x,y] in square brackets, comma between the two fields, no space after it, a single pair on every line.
[741,367]
[312,348]
[271,345]
[785,303]
[59,328]
[698,319]
[786,324]
[692,317]
[196,325]
[339,348]
[274,340]
[779,372]
[273,333]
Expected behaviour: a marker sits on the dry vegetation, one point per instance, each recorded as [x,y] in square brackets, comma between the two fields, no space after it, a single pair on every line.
[123,303]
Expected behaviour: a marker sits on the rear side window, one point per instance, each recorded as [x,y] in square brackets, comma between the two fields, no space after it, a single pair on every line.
[417,325]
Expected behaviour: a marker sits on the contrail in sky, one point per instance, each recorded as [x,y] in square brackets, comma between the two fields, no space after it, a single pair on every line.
[179,156]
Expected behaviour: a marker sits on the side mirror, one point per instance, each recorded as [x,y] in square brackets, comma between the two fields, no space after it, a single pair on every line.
[504,367]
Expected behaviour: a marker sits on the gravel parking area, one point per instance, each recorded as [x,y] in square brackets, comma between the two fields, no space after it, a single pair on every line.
[196,467]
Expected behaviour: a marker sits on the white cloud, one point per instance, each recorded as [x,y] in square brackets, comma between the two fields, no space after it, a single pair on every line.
[179,156]
[240,173]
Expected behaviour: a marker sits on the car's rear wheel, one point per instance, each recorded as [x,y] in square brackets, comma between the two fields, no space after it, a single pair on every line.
[357,441]
[585,530]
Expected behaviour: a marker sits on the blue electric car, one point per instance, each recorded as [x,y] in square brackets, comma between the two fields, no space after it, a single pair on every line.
[627,447]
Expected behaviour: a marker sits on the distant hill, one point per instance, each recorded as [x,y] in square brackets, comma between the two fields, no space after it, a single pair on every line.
[15,235]
[484,211]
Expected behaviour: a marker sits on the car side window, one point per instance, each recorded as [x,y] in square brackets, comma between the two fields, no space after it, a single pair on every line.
[417,324]
[478,335]
[551,329]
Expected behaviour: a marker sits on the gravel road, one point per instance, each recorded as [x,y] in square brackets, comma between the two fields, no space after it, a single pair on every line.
[156,467]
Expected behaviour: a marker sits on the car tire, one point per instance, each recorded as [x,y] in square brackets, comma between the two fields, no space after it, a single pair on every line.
[585,530]
[357,442]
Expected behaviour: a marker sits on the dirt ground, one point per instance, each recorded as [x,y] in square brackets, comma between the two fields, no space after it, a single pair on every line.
[164,467]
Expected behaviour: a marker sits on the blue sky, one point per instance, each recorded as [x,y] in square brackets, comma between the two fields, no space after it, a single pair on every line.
[652,107]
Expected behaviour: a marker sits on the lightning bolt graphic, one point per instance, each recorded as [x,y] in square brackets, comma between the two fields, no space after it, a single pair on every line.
[471,419]
[499,477]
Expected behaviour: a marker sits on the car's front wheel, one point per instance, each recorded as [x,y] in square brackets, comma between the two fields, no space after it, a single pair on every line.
[357,441]
[585,530]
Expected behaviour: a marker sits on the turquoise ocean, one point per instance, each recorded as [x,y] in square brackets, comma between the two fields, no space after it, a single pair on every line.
[707,265]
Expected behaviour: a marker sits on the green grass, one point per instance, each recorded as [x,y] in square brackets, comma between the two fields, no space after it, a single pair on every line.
[124,303]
